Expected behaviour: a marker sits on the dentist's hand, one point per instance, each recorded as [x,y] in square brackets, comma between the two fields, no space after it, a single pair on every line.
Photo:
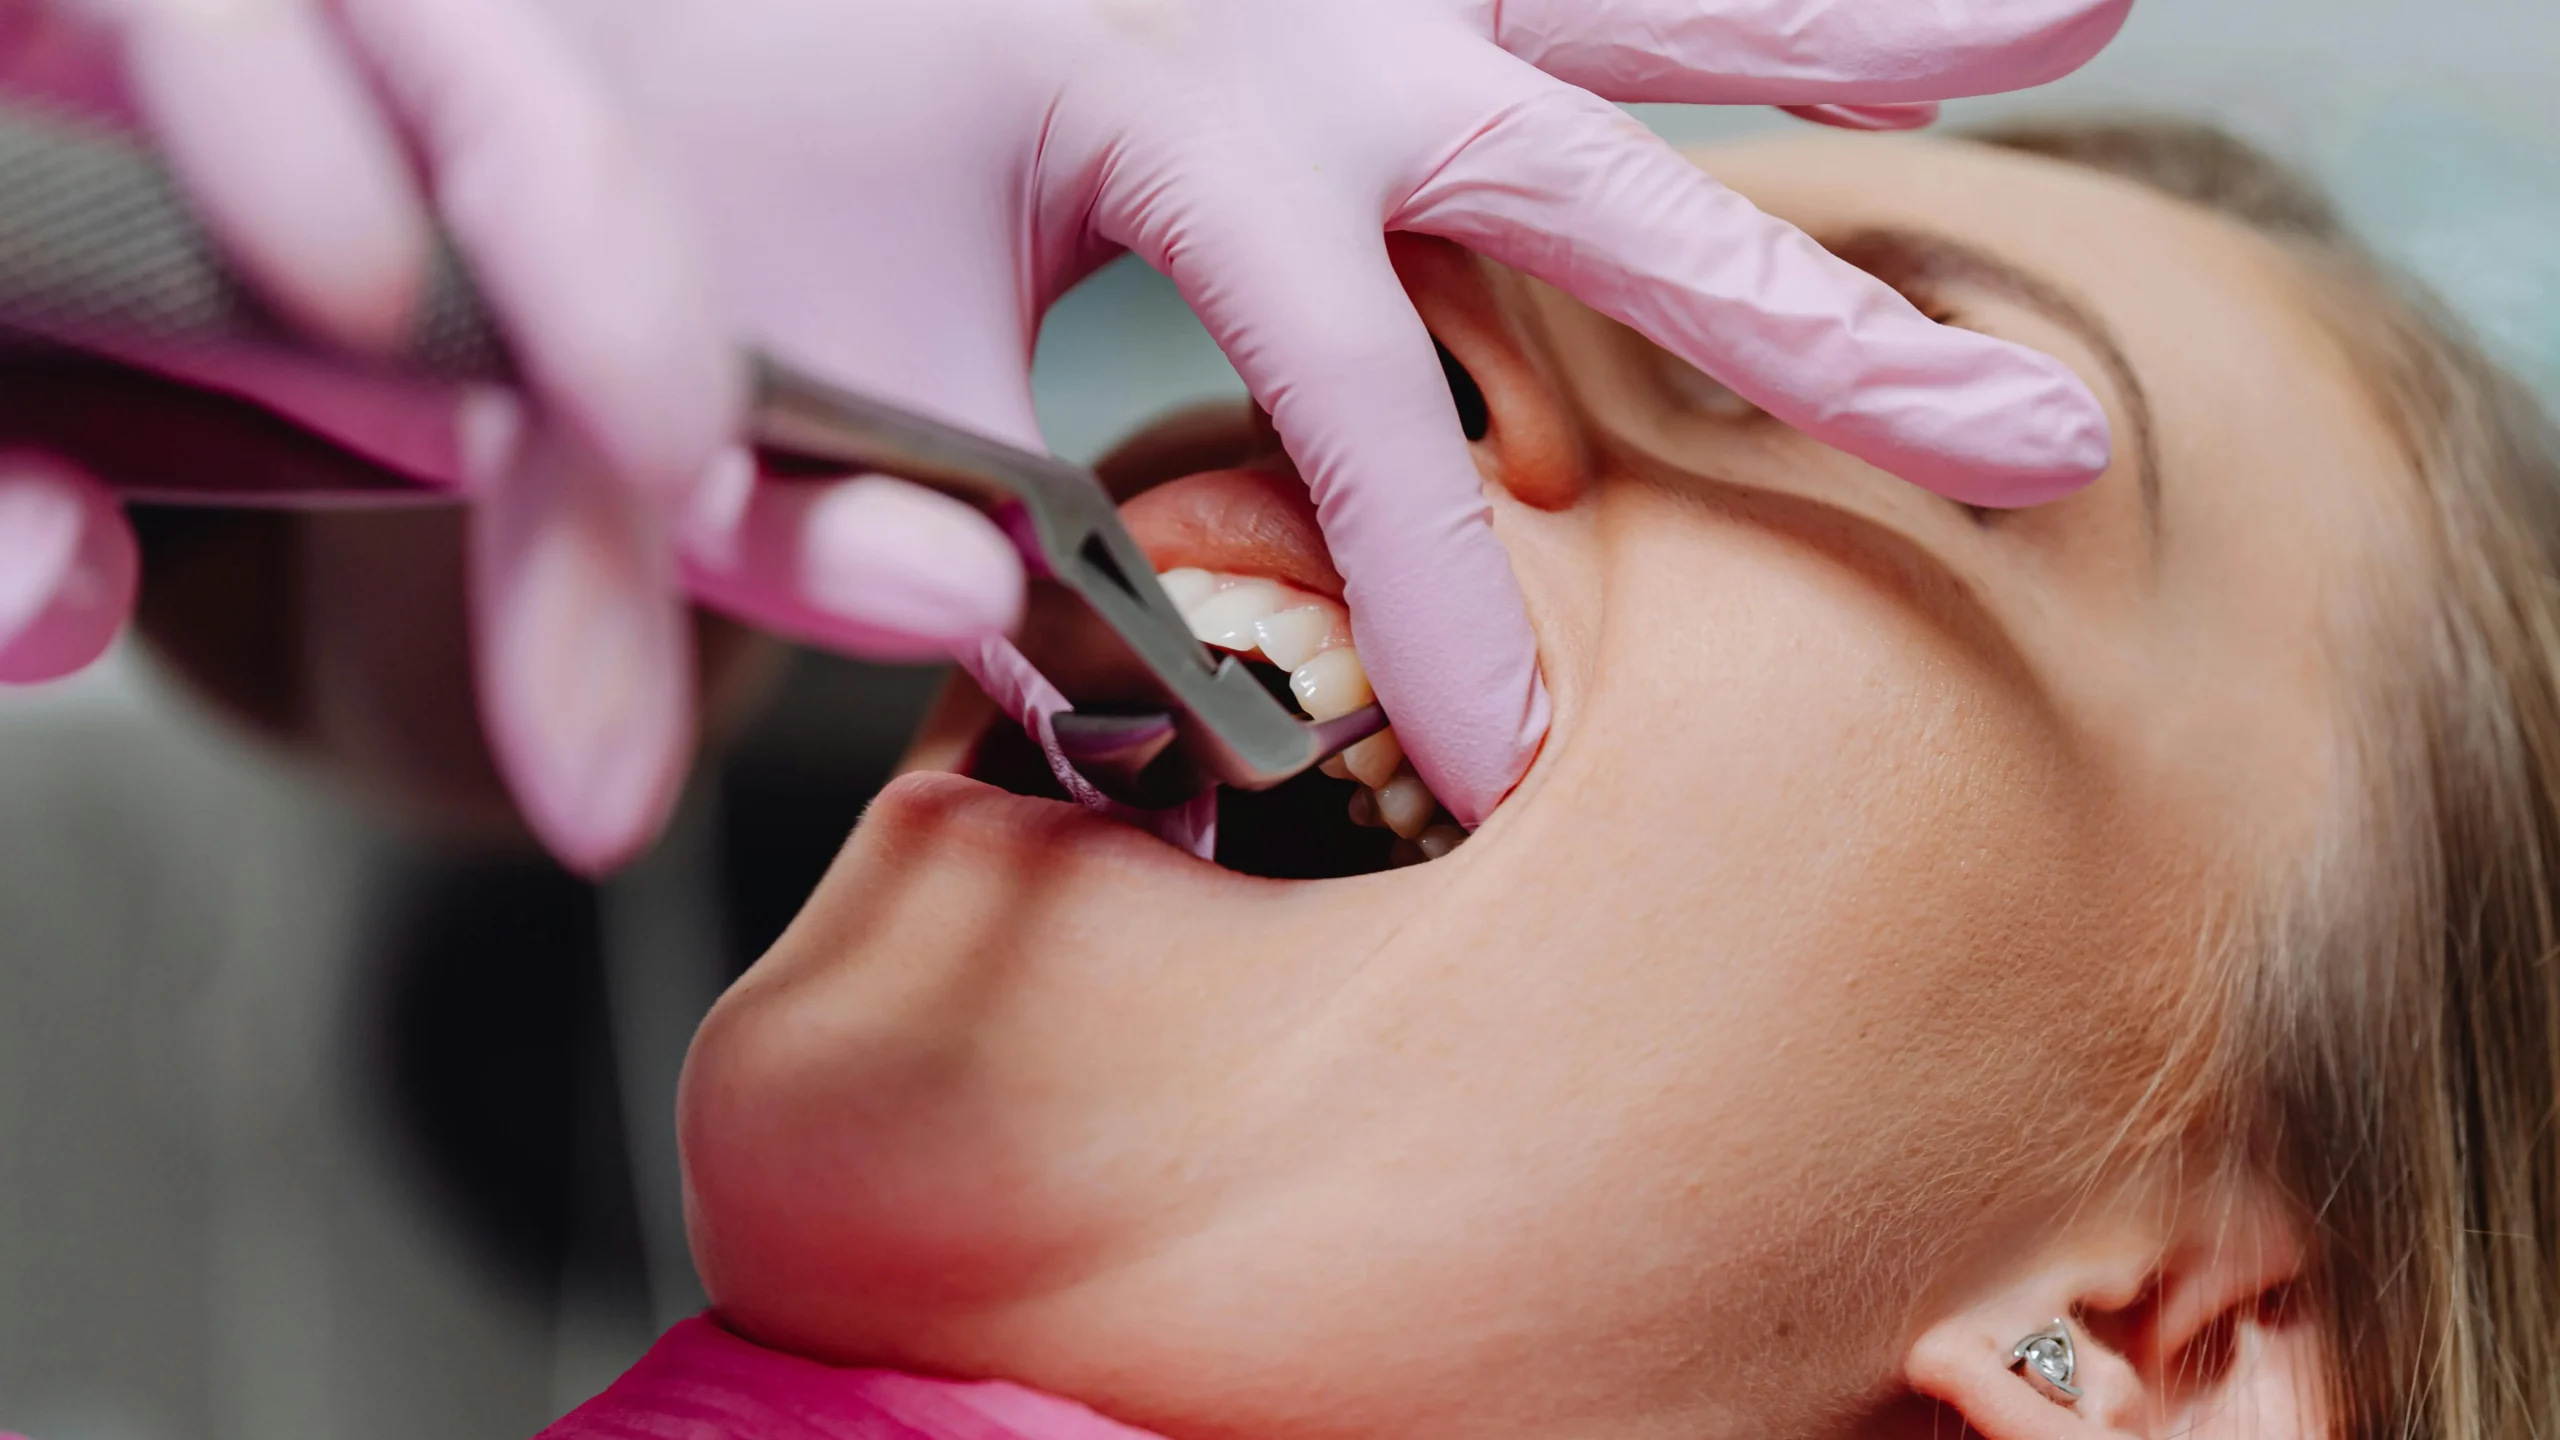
[896,192]
[325,143]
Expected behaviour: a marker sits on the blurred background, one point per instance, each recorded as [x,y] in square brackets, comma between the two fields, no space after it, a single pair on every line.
[316,1124]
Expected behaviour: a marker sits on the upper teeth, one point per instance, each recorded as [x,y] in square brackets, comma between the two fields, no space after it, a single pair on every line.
[1330,683]
[1310,637]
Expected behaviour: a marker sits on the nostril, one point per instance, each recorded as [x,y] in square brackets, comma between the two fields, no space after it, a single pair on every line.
[1475,416]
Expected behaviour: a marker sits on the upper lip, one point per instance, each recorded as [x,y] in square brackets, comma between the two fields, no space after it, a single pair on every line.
[1246,521]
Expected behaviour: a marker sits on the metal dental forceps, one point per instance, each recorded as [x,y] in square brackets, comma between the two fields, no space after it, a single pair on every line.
[98,245]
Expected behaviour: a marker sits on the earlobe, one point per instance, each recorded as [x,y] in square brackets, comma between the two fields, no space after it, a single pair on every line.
[1525,439]
[2176,1329]
[2011,1387]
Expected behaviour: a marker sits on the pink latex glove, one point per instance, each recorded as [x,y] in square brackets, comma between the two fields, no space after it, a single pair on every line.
[895,192]
[324,145]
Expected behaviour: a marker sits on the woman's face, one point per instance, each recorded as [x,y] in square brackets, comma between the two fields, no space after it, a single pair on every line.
[1843,913]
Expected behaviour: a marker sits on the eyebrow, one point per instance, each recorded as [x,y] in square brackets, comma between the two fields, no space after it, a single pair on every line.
[1910,260]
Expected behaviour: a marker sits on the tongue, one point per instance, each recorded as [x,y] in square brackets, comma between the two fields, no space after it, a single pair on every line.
[1017,687]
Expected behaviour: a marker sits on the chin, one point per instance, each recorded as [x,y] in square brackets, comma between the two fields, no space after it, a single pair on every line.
[984,949]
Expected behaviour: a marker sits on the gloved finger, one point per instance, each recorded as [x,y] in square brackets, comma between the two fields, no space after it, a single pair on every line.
[287,148]
[1805,52]
[584,651]
[1868,117]
[868,566]
[567,228]
[1307,306]
[1573,191]
[60,55]
[288,158]
[68,570]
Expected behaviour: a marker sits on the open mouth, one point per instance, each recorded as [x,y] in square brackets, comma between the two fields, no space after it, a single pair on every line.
[1242,556]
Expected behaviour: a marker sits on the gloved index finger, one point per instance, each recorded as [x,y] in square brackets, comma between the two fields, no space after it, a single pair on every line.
[1303,299]
[1802,52]
[1574,191]
[288,159]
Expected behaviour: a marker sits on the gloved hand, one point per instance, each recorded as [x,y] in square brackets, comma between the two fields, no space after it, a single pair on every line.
[323,146]
[894,194]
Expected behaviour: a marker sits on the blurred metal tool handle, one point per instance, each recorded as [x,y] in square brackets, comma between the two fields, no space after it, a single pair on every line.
[98,246]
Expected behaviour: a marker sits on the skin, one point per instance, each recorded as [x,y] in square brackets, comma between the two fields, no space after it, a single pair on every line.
[1854,896]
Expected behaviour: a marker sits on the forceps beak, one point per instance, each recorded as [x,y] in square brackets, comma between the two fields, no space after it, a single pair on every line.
[1131,756]
[1207,720]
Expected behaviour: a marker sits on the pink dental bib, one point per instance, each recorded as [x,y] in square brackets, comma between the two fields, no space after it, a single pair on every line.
[702,1383]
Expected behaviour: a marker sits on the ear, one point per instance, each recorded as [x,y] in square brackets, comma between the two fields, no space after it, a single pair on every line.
[1524,437]
[2189,1328]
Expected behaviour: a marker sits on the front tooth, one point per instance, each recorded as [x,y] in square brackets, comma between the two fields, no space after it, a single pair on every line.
[1290,638]
[1226,619]
[1373,761]
[1405,803]
[1188,587]
[1331,685]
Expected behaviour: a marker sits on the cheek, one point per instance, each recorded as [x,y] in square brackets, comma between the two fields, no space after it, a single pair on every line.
[1765,932]
[1778,756]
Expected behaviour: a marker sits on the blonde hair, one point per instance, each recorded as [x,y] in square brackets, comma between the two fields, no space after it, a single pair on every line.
[2391,1054]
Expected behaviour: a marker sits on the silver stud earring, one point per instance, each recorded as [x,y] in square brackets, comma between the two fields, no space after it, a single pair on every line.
[2048,1362]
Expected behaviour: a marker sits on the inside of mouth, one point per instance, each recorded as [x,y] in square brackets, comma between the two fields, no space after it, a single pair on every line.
[1363,812]
[1299,830]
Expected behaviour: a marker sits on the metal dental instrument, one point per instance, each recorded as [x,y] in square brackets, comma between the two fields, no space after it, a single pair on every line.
[98,246]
